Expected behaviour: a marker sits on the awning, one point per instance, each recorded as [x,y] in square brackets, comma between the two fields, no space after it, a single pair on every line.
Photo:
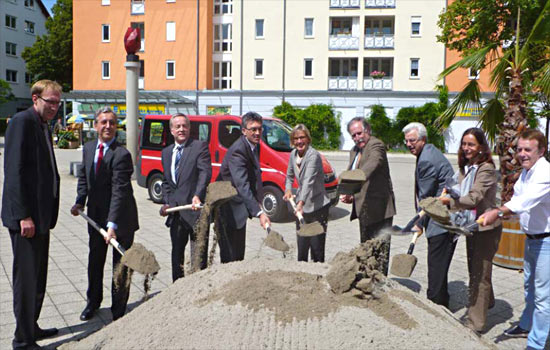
[100,97]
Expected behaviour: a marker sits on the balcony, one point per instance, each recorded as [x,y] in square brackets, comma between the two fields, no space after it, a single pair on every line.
[379,4]
[345,4]
[343,42]
[384,41]
[377,84]
[138,7]
[342,83]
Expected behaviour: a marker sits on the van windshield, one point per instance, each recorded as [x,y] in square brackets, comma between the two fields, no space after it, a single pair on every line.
[276,134]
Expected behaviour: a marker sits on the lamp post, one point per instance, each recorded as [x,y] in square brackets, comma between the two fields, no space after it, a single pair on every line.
[132,43]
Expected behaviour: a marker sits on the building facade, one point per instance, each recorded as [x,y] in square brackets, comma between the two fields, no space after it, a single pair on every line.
[22,22]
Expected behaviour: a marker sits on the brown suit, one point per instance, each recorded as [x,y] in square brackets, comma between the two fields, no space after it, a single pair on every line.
[482,246]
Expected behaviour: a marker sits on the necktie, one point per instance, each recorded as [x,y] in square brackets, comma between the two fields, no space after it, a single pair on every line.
[99,158]
[177,162]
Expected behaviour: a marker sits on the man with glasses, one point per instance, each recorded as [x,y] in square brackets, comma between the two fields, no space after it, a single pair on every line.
[374,205]
[30,205]
[432,170]
[241,166]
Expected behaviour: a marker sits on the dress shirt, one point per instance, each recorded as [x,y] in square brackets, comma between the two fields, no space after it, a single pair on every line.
[531,198]
[253,148]
[173,164]
[106,146]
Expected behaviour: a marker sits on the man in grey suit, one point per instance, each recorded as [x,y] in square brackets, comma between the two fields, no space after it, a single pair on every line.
[187,172]
[374,205]
[432,169]
[105,187]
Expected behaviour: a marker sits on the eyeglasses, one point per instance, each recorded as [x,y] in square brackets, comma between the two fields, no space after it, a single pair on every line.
[50,102]
[411,141]
[259,129]
[356,134]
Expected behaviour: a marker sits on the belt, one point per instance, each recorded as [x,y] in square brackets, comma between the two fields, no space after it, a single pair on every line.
[539,236]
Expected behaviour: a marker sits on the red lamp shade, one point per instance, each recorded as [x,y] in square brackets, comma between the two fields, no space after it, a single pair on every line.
[132,40]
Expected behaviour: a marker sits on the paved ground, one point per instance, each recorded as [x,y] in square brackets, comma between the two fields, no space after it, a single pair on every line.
[66,291]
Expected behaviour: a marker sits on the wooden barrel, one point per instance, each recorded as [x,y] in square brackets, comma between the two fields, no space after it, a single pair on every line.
[511,246]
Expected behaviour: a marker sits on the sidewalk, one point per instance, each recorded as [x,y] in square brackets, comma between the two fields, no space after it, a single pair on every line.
[67,279]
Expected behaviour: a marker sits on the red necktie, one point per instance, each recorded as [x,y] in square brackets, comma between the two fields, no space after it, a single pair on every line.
[99,158]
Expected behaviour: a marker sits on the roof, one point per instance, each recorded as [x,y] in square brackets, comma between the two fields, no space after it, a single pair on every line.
[43,8]
[118,96]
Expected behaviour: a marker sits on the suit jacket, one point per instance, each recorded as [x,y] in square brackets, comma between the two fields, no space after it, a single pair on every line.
[242,167]
[28,175]
[194,174]
[376,201]
[432,169]
[482,195]
[108,194]
[311,180]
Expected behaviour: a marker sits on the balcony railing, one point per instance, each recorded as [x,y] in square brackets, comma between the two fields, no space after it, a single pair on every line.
[380,3]
[343,42]
[379,41]
[377,84]
[138,7]
[345,3]
[342,83]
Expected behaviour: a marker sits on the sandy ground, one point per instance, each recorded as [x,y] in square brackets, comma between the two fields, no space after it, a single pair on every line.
[264,303]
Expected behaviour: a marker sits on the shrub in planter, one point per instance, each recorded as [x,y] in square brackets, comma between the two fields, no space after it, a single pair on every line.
[63,143]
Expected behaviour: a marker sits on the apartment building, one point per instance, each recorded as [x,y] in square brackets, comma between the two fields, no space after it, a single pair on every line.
[22,22]
[233,56]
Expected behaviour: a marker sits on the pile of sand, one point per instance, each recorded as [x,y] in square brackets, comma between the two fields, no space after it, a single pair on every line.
[277,303]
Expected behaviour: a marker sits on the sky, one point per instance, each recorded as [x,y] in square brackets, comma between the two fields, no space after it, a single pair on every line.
[49,4]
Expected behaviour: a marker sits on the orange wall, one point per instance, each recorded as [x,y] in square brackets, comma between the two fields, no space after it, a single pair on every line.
[89,51]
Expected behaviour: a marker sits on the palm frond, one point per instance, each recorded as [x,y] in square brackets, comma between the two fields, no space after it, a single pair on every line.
[498,74]
[475,60]
[491,117]
[469,97]
[541,28]
[542,82]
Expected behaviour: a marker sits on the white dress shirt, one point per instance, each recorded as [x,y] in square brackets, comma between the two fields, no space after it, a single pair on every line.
[173,164]
[106,146]
[531,198]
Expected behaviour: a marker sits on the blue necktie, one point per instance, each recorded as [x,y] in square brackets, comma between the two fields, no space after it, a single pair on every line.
[178,158]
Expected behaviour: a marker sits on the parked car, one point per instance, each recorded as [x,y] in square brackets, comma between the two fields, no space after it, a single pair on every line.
[220,132]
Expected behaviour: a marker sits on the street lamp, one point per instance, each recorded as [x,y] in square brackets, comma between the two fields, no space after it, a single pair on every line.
[132,44]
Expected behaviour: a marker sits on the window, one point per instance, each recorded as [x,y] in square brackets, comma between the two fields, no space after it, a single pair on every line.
[381,65]
[223,7]
[259,68]
[222,75]
[415,25]
[28,78]
[415,69]
[170,1]
[138,7]
[170,31]
[341,26]
[170,69]
[11,22]
[156,134]
[29,4]
[223,38]
[141,27]
[106,70]
[308,27]
[29,27]
[141,68]
[105,2]
[228,132]
[308,67]
[259,29]
[11,49]
[106,33]
[473,74]
[11,76]
[379,26]
[343,67]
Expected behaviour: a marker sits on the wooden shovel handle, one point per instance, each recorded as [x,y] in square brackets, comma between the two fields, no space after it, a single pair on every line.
[298,215]
[112,241]
[182,207]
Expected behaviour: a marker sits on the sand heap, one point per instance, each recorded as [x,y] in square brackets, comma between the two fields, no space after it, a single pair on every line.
[281,304]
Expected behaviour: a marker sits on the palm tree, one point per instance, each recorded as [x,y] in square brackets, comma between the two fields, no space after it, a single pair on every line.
[504,116]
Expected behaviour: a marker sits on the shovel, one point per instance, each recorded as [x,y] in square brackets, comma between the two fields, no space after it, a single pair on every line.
[307,230]
[182,207]
[274,240]
[136,258]
[403,264]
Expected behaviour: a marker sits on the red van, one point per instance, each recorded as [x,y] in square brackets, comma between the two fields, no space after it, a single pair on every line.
[220,132]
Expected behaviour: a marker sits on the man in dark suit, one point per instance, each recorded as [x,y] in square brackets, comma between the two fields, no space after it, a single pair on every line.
[432,169]
[104,185]
[241,166]
[374,205]
[187,173]
[30,205]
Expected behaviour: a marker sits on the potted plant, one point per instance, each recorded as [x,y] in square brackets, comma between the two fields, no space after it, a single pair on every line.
[69,138]
[377,75]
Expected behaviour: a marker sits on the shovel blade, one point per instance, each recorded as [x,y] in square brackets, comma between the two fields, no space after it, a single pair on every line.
[403,265]
[311,229]
[275,241]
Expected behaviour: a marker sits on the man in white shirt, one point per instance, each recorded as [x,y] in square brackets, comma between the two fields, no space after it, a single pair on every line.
[531,201]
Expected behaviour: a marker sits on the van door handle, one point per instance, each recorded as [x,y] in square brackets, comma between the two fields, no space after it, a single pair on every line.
[217,156]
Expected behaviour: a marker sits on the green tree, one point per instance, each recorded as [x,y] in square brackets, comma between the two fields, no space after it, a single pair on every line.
[5,92]
[51,56]
[515,71]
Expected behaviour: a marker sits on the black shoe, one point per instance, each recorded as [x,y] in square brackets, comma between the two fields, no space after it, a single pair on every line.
[46,333]
[516,332]
[88,313]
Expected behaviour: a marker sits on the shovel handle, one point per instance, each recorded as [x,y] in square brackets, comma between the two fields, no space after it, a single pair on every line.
[298,215]
[413,241]
[112,242]
[182,207]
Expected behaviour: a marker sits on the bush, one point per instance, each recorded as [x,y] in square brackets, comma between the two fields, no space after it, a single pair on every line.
[320,119]
[383,128]
[66,135]
[62,143]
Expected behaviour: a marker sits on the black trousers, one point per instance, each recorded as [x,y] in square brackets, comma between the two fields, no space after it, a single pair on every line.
[180,233]
[316,243]
[96,264]
[30,272]
[372,231]
[232,242]
[440,253]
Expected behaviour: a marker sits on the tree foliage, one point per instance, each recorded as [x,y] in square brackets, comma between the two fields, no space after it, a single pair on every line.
[51,56]
[320,119]
[5,92]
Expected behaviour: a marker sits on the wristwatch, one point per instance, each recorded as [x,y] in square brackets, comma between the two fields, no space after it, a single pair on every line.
[500,214]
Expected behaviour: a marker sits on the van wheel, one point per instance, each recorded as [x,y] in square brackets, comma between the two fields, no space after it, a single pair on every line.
[155,187]
[273,204]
